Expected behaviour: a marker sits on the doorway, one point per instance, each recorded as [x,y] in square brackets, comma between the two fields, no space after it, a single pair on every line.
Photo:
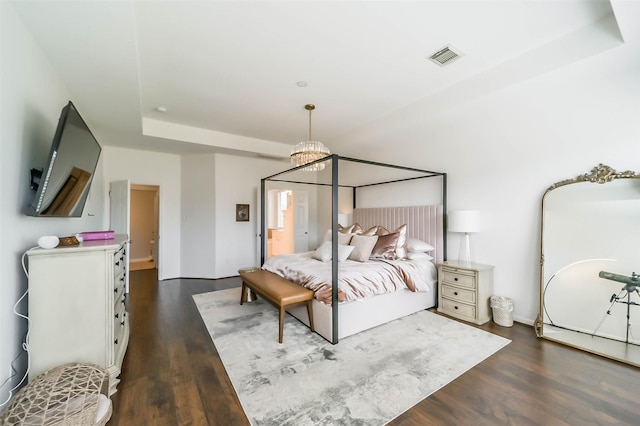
[287,221]
[145,201]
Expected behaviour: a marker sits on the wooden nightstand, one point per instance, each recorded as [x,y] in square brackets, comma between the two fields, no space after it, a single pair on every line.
[464,291]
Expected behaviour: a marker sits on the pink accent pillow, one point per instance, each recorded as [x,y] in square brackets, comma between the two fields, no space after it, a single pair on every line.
[385,247]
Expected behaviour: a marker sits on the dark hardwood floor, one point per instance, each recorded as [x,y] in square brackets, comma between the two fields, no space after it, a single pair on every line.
[172,374]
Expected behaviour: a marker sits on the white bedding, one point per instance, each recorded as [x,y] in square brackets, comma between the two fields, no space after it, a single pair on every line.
[357,280]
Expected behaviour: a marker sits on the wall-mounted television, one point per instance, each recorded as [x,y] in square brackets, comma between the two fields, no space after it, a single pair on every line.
[65,180]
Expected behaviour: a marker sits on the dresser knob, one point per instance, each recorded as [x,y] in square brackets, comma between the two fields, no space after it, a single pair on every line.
[455,279]
[115,290]
[455,293]
[117,315]
[122,278]
[122,323]
[115,341]
[118,263]
[455,307]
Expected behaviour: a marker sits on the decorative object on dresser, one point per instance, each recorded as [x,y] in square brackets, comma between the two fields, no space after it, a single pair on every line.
[98,235]
[464,291]
[466,222]
[48,241]
[77,306]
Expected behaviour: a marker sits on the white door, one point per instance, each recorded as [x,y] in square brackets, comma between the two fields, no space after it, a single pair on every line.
[301,221]
[119,214]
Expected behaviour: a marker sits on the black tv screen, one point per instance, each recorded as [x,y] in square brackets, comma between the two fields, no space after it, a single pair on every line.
[66,178]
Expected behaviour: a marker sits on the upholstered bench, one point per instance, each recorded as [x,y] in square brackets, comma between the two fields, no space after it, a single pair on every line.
[278,291]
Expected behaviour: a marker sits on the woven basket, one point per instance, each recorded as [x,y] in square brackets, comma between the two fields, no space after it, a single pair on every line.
[67,395]
[502,308]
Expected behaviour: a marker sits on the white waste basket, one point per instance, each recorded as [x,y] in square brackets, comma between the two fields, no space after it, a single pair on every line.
[502,308]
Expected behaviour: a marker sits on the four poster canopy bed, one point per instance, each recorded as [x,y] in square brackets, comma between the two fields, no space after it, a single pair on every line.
[382,265]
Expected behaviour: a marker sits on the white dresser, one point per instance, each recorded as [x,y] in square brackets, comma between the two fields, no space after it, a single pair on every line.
[464,291]
[77,306]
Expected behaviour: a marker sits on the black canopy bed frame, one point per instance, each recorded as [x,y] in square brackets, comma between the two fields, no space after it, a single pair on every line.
[389,174]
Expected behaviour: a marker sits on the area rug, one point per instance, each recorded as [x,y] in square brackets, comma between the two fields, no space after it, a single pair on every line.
[366,379]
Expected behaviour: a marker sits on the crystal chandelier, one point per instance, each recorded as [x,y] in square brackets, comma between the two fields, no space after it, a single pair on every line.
[309,150]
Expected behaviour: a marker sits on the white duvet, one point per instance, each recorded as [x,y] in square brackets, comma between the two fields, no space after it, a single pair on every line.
[356,280]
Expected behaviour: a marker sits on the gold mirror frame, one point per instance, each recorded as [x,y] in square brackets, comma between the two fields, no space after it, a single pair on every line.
[600,174]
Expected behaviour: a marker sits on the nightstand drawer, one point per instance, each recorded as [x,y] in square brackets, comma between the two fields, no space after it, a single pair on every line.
[460,309]
[451,276]
[467,296]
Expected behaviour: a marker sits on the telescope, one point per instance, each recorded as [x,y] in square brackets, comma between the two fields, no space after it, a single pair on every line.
[631,282]
[631,285]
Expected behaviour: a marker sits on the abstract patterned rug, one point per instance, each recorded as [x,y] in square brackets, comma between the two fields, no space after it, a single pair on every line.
[366,379]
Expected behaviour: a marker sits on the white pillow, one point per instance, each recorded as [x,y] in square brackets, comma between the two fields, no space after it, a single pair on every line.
[342,237]
[418,255]
[363,246]
[343,252]
[323,253]
[416,246]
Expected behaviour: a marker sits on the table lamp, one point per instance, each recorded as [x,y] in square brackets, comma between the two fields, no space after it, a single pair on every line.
[464,221]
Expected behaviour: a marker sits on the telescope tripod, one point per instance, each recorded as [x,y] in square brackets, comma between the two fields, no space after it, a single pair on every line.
[629,289]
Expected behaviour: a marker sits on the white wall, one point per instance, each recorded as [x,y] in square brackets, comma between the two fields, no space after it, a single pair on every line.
[198,231]
[32,98]
[151,168]
[503,150]
[237,181]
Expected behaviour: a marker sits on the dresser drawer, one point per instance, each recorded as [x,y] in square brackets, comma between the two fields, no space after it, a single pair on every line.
[119,322]
[119,259]
[458,278]
[458,294]
[118,287]
[459,309]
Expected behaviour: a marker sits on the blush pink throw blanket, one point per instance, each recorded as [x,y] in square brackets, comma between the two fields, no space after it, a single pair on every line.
[356,280]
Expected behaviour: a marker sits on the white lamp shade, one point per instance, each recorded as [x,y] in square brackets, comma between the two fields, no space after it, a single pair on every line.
[464,221]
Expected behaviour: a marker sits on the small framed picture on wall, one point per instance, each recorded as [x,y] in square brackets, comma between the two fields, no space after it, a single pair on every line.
[242,212]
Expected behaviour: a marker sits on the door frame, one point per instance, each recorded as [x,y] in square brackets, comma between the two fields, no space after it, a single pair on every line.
[156,219]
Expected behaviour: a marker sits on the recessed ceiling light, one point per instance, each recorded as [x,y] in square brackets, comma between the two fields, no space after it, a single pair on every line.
[161,109]
[301,83]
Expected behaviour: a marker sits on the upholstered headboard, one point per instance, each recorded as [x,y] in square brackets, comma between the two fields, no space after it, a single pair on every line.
[423,223]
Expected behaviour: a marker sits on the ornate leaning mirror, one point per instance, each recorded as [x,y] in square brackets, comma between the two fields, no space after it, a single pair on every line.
[590,258]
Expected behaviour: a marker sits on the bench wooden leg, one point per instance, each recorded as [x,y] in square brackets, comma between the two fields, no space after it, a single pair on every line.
[281,324]
[310,313]
[243,294]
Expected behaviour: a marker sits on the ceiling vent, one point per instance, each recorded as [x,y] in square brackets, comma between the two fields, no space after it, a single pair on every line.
[446,55]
